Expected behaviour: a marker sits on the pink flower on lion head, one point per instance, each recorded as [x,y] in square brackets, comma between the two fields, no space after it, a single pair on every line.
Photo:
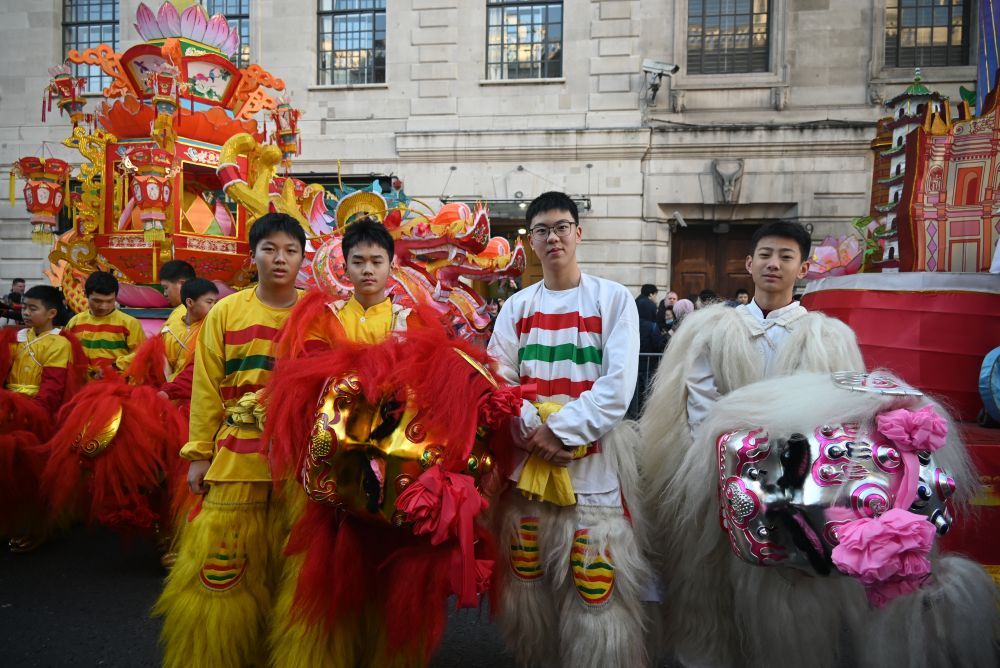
[911,431]
[888,554]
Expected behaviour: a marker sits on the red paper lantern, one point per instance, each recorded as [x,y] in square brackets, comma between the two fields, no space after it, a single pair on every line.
[152,188]
[69,89]
[44,193]
[286,134]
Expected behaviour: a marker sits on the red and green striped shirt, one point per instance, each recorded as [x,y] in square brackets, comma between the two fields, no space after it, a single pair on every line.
[233,358]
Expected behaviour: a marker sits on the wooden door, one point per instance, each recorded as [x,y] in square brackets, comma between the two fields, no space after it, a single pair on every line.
[705,259]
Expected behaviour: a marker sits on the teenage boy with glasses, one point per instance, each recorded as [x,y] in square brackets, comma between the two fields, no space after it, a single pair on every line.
[571,591]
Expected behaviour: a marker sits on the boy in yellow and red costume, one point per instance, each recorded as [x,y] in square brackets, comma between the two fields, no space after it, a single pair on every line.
[42,367]
[104,331]
[381,481]
[216,601]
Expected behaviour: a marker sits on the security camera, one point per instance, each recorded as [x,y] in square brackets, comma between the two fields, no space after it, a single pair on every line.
[658,68]
[679,218]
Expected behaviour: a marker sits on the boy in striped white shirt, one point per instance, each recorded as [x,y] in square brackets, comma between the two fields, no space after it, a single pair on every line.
[575,572]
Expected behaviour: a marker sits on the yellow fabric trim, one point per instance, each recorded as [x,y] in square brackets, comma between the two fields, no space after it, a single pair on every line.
[544,481]
[30,390]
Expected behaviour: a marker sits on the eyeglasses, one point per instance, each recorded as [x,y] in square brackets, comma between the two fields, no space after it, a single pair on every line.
[542,232]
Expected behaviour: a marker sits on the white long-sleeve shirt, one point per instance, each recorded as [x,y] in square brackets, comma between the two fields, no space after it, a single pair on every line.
[580,347]
[768,335]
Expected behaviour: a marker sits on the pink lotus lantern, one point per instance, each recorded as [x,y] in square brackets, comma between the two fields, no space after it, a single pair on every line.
[151,188]
[44,193]
[286,133]
[69,89]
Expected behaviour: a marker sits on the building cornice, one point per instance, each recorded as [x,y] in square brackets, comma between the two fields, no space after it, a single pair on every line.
[520,145]
[762,140]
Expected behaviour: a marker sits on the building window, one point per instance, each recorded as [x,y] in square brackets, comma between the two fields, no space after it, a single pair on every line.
[927,33]
[351,42]
[523,39]
[728,36]
[86,24]
[237,13]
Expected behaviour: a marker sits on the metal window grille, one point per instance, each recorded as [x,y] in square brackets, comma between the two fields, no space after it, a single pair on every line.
[351,42]
[86,24]
[927,33]
[237,13]
[728,36]
[523,39]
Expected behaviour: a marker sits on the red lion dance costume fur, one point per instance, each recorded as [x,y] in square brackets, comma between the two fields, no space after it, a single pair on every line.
[382,482]
[114,456]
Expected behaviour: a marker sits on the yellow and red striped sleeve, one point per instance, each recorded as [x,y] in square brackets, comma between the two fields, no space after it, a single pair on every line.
[207,411]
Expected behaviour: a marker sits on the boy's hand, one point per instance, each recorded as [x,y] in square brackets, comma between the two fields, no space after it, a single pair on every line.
[196,476]
[545,444]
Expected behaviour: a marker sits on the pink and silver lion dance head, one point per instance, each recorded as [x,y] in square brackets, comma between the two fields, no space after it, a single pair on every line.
[789,499]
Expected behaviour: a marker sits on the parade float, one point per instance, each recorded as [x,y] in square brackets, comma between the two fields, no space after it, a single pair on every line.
[919,295]
[178,163]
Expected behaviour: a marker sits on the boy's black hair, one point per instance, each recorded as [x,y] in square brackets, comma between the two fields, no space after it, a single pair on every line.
[707,295]
[785,229]
[367,231]
[648,289]
[551,201]
[17,280]
[272,223]
[176,270]
[742,291]
[47,294]
[101,282]
[197,287]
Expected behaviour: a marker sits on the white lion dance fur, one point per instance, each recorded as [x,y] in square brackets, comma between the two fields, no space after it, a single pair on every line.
[544,621]
[721,611]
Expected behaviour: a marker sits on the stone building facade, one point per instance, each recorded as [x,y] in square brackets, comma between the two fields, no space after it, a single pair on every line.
[672,181]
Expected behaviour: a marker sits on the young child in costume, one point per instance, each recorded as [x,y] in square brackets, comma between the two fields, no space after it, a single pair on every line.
[217,598]
[719,349]
[803,529]
[105,332]
[42,367]
[174,333]
[362,583]
[198,296]
[574,572]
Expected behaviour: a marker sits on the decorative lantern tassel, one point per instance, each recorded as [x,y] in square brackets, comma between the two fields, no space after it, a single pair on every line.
[12,184]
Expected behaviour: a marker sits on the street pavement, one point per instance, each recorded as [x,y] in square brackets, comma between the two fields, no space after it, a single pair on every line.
[83,599]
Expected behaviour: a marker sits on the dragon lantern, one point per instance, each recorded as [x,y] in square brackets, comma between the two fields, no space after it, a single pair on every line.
[175,167]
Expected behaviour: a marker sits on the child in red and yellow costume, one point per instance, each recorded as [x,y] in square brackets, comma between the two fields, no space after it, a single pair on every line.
[42,368]
[380,482]
[216,601]
[104,331]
